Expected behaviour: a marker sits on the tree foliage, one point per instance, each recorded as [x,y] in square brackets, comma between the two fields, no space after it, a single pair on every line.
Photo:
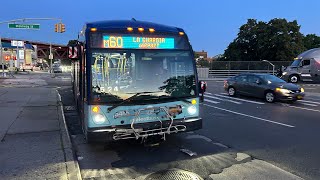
[311,41]
[276,40]
[72,42]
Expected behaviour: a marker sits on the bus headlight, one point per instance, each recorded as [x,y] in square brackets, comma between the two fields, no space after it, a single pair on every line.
[192,110]
[99,119]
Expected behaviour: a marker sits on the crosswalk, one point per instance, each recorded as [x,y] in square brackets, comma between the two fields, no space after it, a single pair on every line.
[224,98]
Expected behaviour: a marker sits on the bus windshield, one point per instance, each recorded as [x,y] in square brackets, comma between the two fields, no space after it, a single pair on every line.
[119,74]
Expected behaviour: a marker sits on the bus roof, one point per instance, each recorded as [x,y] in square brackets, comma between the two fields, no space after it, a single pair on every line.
[123,24]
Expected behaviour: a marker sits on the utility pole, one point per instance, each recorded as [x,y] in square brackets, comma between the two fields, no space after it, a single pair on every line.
[18,58]
[1,57]
[50,57]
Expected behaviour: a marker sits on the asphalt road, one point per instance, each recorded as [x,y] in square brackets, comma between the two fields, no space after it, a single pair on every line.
[285,135]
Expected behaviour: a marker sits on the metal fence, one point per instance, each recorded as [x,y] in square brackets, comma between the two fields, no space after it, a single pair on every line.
[246,65]
[224,74]
[226,69]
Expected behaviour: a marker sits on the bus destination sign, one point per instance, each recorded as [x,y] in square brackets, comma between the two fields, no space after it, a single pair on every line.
[137,42]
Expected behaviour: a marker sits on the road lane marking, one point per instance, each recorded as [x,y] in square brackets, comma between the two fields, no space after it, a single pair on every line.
[312,102]
[315,110]
[254,117]
[208,93]
[239,99]
[214,102]
[213,97]
[307,104]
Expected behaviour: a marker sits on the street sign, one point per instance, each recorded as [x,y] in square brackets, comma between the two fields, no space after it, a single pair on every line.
[24,26]
[17,43]
[50,56]
[21,54]
[73,52]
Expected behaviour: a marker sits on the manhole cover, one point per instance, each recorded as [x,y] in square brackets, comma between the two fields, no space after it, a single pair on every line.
[173,174]
[69,108]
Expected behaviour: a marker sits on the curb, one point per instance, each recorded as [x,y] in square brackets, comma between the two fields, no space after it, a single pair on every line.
[72,165]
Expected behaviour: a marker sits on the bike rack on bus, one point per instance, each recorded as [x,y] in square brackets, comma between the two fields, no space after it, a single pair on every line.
[143,134]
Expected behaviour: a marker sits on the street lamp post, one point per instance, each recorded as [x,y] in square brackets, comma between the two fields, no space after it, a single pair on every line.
[270,64]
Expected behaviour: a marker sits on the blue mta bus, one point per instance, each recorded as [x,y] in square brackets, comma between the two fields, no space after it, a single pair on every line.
[135,80]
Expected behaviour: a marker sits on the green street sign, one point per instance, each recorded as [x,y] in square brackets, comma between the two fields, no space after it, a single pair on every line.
[24,26]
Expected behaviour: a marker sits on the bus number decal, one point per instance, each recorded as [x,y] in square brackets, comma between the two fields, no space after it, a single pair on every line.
[113,42]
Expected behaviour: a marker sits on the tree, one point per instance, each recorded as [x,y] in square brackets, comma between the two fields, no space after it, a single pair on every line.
[311,41]
[203,63]
[276,40]
[72,42]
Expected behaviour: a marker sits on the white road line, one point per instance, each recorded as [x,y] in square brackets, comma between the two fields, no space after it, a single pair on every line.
[315,110]
[312,102]
[214,102]
[213,97]
[254,117]
[208,93]
[307,104]
[239,99]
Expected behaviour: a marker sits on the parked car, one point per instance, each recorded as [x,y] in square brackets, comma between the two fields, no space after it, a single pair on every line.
[266,86]
[56,68]
[25,67]
[306,67]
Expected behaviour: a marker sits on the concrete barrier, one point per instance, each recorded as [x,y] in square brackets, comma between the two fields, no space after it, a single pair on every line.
[203,73]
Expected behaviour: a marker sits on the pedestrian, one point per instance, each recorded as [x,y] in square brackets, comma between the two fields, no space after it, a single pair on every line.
[203,88]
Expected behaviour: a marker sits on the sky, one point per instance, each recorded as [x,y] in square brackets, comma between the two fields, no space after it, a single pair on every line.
[210,24]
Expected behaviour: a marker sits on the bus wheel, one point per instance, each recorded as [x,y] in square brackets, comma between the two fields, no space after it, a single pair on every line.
[294,78]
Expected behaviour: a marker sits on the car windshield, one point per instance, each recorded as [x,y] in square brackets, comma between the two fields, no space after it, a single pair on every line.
[271,79]
[296,63]
[118,75]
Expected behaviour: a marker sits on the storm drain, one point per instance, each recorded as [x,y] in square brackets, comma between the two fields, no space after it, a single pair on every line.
[173,174]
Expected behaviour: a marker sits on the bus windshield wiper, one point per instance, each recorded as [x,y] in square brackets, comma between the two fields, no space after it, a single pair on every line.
[183,99]
[129,99]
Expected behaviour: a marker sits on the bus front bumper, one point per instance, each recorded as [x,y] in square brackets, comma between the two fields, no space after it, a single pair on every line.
[143,130]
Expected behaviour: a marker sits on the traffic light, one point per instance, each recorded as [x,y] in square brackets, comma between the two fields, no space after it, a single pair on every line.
[56,28]
[63,28]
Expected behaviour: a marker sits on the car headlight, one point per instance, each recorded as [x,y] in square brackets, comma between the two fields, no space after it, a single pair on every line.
[302,90]
[192,110]
[284,73]
[285,91]
[99,119]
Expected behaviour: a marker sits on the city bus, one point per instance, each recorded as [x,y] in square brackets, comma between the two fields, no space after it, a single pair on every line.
[135,80]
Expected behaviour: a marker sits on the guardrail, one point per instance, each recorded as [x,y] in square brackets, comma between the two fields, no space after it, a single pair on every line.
[224,74]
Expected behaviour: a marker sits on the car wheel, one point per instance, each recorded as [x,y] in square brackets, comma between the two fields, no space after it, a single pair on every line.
[231,91]
[270,97]
[294,78]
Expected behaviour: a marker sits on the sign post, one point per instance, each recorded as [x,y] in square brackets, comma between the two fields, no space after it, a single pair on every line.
[1,57]
[18,44]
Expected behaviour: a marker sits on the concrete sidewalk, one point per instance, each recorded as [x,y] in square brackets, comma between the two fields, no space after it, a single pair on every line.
[35,143]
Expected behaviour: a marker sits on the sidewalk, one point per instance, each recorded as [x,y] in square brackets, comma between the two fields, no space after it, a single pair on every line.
[35,143]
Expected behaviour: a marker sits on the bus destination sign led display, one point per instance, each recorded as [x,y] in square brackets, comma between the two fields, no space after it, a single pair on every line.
[138,42]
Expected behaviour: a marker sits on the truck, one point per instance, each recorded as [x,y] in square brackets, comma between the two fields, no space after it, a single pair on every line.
[304,68]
